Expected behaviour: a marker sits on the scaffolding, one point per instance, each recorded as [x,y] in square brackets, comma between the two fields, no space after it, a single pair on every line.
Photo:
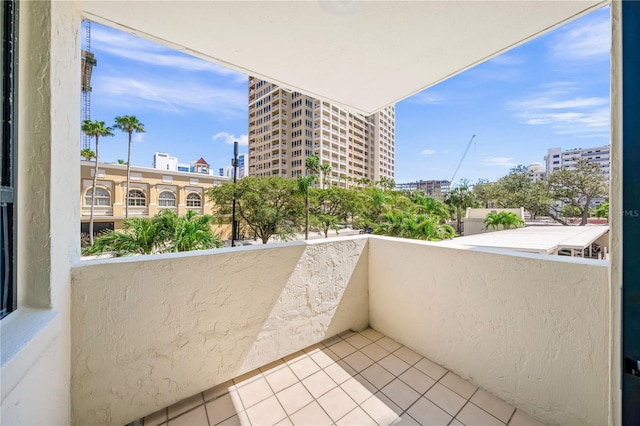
[88,61]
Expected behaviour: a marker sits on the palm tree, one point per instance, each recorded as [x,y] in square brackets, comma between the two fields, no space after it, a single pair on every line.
[87,154]
[96,129]
[506,219]
[128,124]
[312,164]
[304,184]
[325,168]
[121,161]
[460,197]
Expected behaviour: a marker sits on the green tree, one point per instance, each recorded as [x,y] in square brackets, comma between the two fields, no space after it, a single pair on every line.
[164,233]
[325,169]
[87,154]
[575,189]
[128,124]
[304,186]
[96,129]
[414,226]
[430,206]
[602,210]
[267,205]
[504,219]
[121,161]
[330,207]
[460,197]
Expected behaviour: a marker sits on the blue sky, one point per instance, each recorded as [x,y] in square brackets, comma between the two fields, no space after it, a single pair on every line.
[550,92]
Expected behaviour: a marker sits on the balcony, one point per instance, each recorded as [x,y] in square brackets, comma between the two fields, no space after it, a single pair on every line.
[492,318]
[98,211]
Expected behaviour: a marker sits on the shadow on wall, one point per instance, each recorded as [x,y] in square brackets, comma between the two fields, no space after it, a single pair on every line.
[148,332]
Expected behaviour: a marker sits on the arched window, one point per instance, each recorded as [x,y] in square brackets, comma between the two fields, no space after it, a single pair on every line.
[102,197]
[194,200]
[167,199]
[137,198]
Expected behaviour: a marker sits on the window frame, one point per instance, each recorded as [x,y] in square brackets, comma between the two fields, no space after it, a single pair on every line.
[8,160]
[143,197]
[191,200]
[161,200]
[87,197]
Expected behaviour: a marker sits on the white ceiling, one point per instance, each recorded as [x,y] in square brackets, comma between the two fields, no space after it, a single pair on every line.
[362,54]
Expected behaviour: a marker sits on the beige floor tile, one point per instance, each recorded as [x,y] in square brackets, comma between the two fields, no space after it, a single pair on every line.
[281,378]
[342,349]
[430,368]
[324,357]
[407,355]
[389,344]
[239,419]
[156,418]
[379,411]
[367,384]
[346,333]
[336,403]
[394,365]
[357,391]
[196,417]
[284,422]
[331,340]
[377,376]
[472,415]
[221,409]
[253,392]
[319,383]
[339,373]
[294,357]
[389,403]
[272,366]
[400,393]
[304,367]
[313,348]
[372,334]
[375,351]
[493,405]
[358,341]
[311,415]
[248,377]
[294,398]
[417,380]
[267,412]
[445,398]
[356,417]
[406,420]
[185,405]
[519,418]
[455,422]
[358,361]
[427,413]
[218,390]
[458,385]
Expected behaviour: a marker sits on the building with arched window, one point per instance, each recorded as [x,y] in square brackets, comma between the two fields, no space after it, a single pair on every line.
[150,191]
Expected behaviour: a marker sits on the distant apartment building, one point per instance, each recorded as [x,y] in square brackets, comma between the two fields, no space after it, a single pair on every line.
[430,187]
[557,159]
[537,172]
[164,161]
[151,190]
[228,170]
[286,127]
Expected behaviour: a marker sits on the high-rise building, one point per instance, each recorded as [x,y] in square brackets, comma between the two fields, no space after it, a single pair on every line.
[228,171]
[286,127]
[557,159]
[163,161]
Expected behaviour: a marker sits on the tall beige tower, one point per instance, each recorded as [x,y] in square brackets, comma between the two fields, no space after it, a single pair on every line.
[286,127]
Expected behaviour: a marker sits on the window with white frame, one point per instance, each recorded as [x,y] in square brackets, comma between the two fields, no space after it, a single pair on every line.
[194,200]
[102,197]
[137,198]
[167,199]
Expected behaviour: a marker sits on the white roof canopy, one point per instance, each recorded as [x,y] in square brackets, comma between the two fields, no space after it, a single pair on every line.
[362,54]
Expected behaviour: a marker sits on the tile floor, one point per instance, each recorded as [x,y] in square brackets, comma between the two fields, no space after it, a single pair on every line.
[351,379]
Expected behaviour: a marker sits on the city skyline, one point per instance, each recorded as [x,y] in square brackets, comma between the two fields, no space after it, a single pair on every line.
[550,92]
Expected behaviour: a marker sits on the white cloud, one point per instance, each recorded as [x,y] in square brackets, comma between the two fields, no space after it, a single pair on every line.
[136,49]
[426,98]
[557,106]
[588,40]
[498,161]
[165,95]
[230,138]
[428,152]
[508,59]
[138,137]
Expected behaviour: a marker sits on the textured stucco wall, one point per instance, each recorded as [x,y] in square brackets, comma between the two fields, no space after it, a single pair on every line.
[36,342]
[531,329]
[148,333]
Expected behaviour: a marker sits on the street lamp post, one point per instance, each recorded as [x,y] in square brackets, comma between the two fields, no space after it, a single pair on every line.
[234,223]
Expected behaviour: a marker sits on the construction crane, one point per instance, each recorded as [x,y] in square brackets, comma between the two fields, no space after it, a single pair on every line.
[88,61]
[462,158]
